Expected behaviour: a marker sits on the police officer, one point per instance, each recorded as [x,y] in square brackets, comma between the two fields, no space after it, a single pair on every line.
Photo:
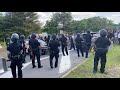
[54,51]
[88,38]
[63,41]
[102,43]
[7,40]
[22,42]
[48,39]
[15,51]
[78,41]
[35,49]
[71,43]
[29,50]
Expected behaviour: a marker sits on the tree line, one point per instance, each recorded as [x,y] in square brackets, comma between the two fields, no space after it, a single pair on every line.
[18,22]
[71,26]
[28,22]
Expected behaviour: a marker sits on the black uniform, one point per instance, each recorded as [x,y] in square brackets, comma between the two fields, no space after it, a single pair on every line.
[63,40]
[15,49]
[88,38]
[110,35]
[7,40]
[48,39]
[34,45]
[22,42]
[78,41]
[102,44]
[72,43]
[54,52]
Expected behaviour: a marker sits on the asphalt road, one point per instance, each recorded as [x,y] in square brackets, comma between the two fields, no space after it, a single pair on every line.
[65,64]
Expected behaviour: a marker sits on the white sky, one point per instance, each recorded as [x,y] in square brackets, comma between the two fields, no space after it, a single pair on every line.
[114,16]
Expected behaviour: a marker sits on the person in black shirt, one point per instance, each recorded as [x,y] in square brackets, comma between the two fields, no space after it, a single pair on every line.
[110,35]
[63,41]
[48,39]
[22,42]
[54,51]
[88,38]
[71,43]
[15,54]
[7,40]
[102,43]
[78,41]
[35,49]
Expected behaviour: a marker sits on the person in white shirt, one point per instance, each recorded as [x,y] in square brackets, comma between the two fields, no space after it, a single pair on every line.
[116,37]
[119,37]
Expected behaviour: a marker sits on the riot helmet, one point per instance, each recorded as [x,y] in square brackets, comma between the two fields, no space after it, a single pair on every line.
[22,37]
[88,32]
[78,35]
[33,35]
[103,32]
[15,37]
[53,36]
[7,40]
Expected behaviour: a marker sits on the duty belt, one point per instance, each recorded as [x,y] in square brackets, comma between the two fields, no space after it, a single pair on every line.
[78,44]
[35,49]
[15,56]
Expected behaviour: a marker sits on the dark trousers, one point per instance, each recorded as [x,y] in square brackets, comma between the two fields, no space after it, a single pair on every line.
[100,55]
[18,63]
[88,48]
[79,48]
[72,46]
[119,40]
[23,58]
[52,55]
[36,53]
[64,48]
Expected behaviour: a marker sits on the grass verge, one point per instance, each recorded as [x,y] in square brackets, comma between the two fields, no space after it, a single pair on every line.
[112,67]
[2,44]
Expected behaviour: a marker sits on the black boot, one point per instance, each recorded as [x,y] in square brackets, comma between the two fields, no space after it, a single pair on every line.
[94,71]
[34,66]
[102,71]
[40,66]
[51,66]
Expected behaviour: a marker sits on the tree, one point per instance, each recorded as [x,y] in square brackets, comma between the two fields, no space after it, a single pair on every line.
[63,18]
[51,26]
[21,23]
[94,24]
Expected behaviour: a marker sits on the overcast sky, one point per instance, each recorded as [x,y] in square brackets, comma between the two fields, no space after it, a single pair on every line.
[114,16]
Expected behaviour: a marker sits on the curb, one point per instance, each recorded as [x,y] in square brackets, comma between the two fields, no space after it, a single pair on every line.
[73,69]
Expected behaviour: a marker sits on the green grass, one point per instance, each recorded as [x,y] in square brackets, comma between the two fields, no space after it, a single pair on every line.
[112,67]
[2,44]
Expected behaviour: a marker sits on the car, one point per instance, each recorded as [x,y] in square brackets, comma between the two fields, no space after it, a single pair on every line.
[43,44]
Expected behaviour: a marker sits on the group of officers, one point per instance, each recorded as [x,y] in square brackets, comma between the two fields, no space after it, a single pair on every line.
[17,50]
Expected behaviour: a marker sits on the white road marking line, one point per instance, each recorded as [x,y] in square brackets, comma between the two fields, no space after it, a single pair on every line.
[8,74]
[65,64]
[1,71]
[73,68]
